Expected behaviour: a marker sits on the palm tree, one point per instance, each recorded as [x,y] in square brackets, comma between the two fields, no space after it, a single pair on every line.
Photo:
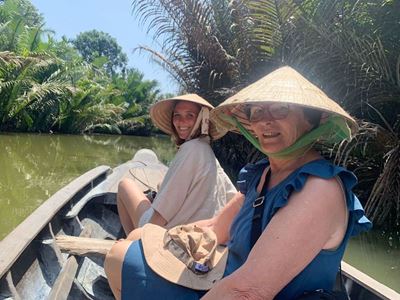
[89,110]
[28,81]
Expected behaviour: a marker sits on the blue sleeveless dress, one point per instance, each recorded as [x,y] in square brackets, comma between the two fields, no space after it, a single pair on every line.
[321,272]
[140,282]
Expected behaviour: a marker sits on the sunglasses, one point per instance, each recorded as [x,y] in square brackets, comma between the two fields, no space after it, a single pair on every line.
[273,111]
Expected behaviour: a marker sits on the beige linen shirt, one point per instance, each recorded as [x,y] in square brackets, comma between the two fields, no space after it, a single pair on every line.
[195,186]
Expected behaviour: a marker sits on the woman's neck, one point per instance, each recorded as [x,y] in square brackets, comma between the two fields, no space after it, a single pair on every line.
[287,165]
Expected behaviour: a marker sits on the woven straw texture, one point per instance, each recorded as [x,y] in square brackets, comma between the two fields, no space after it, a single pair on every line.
[161,114]
[284,85]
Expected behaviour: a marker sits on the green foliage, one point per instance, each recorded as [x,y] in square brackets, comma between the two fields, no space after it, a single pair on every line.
[46,85]
[21,27]
[213,47]
[141,125]
[90,109]
[20,8]
[27,82]
[193,52]
[137,94]
[101,49]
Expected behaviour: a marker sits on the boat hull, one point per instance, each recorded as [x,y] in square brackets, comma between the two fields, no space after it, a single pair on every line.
[32,265]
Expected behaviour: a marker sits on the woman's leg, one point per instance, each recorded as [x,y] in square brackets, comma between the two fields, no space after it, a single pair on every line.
[113,266]
[130,277]
[131,204]
[135,235]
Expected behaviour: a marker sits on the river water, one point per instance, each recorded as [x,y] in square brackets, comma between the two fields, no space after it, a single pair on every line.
[35,166]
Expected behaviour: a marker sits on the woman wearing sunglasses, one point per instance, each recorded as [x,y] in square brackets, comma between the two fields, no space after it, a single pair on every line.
[288,226]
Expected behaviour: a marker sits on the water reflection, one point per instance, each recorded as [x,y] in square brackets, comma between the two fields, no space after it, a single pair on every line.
[35,166]
[377,254]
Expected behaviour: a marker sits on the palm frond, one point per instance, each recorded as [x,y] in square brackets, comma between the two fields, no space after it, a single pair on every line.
[385,196]
[172,68]
[359,69]
[188,39]
[8,59]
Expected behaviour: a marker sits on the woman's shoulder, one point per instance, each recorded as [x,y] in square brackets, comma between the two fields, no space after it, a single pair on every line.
[196,151]
[201,142]
[330,176]
[337,177]
[321,169]
[325,169]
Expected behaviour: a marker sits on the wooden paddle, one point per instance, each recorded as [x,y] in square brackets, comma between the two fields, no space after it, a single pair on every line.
[83,246]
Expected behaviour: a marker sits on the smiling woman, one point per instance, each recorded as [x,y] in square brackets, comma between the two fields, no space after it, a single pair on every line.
[184,118]
[273,130]
[195,186]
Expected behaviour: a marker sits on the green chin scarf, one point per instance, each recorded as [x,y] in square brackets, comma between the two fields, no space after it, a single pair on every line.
[334,130]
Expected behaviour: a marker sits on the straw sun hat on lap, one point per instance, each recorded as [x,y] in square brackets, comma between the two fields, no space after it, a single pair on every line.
[186,255]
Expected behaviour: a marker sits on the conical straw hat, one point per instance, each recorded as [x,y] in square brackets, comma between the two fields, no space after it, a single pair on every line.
[284,85]
[161,114]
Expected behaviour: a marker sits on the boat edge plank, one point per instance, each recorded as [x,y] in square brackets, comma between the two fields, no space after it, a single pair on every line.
[15,243]
[368,282]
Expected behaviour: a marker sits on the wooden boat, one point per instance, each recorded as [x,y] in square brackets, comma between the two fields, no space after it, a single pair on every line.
[32,265]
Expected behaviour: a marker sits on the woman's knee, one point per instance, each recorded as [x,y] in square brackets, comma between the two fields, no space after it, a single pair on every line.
[135,234]
[115,258]
[124,185]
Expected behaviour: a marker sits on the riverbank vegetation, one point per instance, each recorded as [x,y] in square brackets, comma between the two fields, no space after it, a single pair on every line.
[69,86]
[350,48]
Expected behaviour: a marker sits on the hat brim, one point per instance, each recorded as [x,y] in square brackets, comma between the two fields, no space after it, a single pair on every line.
[238,111]
[284,85]
[166,265]
[147,177]
[161,114]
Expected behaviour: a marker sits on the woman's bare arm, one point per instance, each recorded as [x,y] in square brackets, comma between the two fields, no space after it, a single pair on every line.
[314,219]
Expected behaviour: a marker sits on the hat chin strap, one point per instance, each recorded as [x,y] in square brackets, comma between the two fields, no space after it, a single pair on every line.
[203,119]
[334,130]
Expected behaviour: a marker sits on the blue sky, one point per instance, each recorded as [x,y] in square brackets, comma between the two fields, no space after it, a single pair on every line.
[70,17]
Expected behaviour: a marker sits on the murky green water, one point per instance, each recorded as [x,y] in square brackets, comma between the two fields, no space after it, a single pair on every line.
[33,167]
[377,254]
